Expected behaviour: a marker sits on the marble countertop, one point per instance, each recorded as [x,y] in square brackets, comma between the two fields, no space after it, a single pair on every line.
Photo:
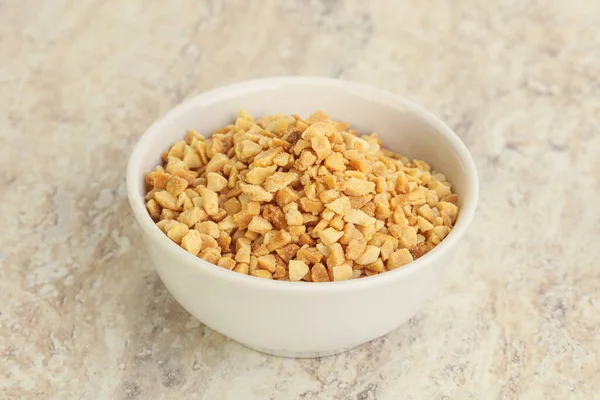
[83,315]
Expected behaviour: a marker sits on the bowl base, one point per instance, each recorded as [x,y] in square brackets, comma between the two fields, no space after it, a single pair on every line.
[296,354]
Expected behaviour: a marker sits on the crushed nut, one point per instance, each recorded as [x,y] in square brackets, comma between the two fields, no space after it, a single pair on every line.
[342,272]
[210,255]
[215,182]
[261,273]
[176,185]
[191,216]
[340,206]
[166,200]
[210,201]
[319,273]
[329,236]
[336,256]
[227,263]
[359,217]
[153,209]
[369,256]
[192,242]
[297,270]
[177,231]
[268,262]
[356,248]
[399,258]
[259,225]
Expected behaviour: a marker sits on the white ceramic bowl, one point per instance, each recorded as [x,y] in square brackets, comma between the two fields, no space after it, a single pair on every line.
[299,319]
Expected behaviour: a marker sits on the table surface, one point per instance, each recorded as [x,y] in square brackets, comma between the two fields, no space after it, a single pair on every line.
[84,316]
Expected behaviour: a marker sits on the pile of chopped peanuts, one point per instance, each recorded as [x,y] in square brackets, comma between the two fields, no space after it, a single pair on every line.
[297,199]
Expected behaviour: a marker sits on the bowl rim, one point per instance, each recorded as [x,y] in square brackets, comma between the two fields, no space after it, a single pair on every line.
[133,184]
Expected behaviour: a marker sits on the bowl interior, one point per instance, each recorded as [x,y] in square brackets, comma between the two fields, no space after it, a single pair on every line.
[402,126]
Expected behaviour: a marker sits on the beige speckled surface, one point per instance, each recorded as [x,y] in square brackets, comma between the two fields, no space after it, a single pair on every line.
[82,314]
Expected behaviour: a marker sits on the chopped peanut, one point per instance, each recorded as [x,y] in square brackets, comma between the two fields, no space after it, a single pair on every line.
[191,216]
[319,273]
[208,228]
[268,262]
[293,217]
[359,187]
[285,196]
[287,252]
[388,247]
[242,255]
[153,209]
[358,217]
[261,273]
[279,180]
[297,270]
[258,175]
[369,256]
[342,272]
[423,224]
[327,196]
[425,212]
[329,236]
[227,263]
[166,200]
[256,193]
[232,206]
[376,266]
[309,254]
[192,242]
[210,201]
[242,268]
[356,248]
[210,255]
[336,257]
[336,162]
[177,231]
[215,182]
[340,206]
[259,225]
[247,149]
[321,146]
[399,258]
[280,239]
[176,185]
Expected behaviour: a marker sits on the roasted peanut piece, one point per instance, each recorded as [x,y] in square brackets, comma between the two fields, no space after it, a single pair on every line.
[261,273]
[176,185]
[297,270]
[342,272]
[358,217]
[210,201]
[259,225]
[192,242]
[166,200]
[153,209]
[177,231]
[318,273]
[329,236]
[369,256]
[215,182]
[268,262]
[399,258]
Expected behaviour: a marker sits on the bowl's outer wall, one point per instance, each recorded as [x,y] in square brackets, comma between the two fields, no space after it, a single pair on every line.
[294,323]
[291,321]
